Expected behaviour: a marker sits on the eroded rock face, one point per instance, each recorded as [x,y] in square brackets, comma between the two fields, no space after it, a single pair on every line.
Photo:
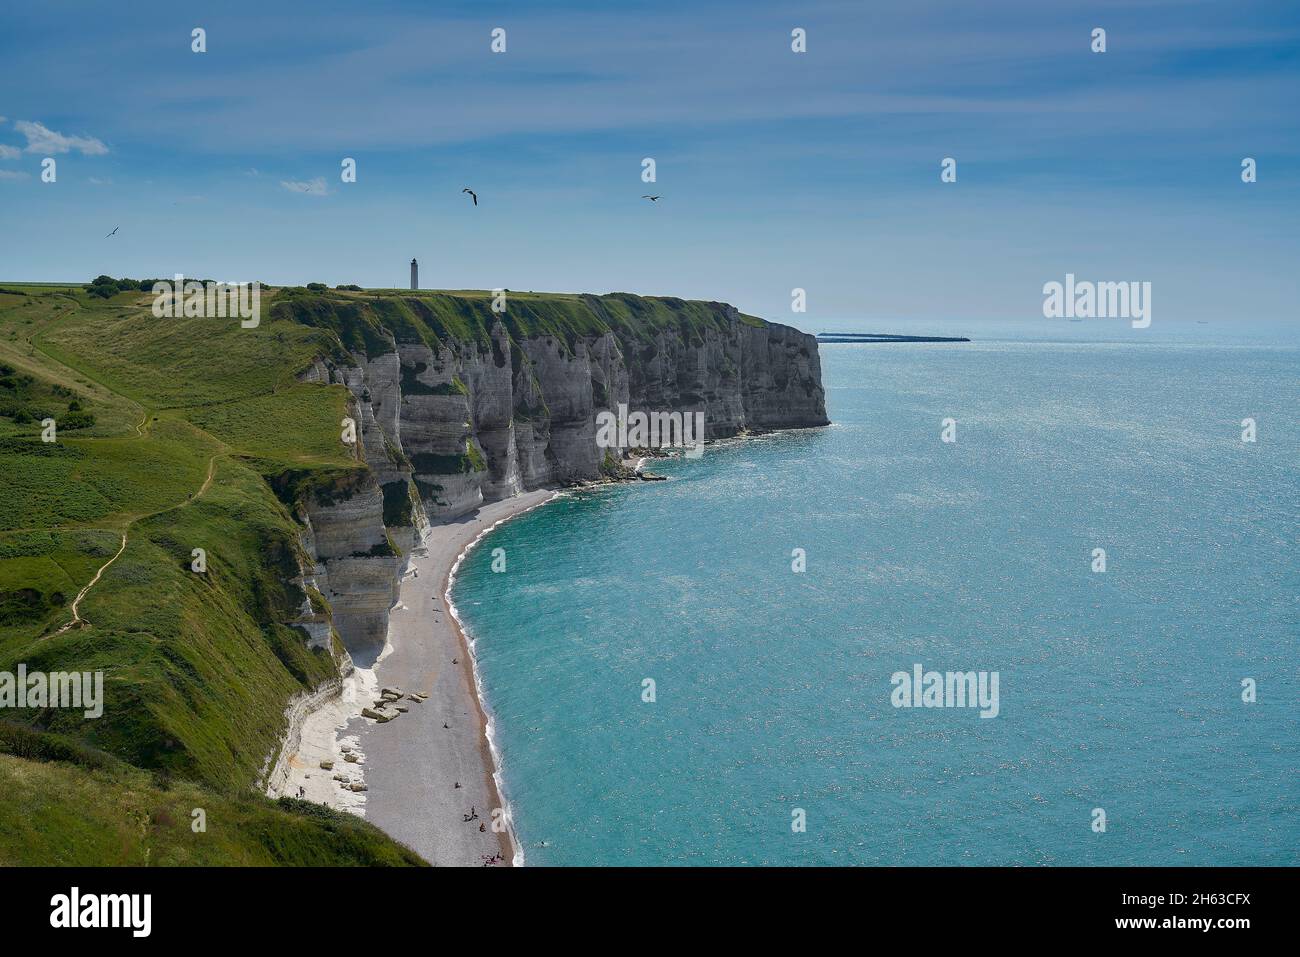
[746,378]
[564,381]
[348,527]
[464,422]
[358,569]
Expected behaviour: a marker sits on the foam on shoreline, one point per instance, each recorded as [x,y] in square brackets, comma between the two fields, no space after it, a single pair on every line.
[433,774]
[489,721]
[414,769]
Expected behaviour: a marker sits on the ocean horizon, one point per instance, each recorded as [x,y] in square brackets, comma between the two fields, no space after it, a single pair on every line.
[772,734]
[457,442]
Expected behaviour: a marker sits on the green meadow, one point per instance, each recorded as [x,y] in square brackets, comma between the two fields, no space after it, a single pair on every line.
[127,442]
[172,433]
[70,805]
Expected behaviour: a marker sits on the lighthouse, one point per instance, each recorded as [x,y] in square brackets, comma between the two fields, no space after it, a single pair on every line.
[415,274]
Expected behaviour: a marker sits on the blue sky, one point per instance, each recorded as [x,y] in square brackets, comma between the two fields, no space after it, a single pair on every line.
[777,170]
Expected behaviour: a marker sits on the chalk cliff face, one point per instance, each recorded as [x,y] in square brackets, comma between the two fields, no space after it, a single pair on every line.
[357,566]
[456,405]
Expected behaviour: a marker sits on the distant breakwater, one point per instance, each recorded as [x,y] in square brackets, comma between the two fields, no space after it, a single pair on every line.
[883,337]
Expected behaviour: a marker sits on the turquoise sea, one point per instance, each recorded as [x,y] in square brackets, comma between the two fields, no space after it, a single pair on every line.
[1119,690]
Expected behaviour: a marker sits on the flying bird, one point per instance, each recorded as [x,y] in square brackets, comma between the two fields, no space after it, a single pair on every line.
[653,199]
[115,229]
[472,195]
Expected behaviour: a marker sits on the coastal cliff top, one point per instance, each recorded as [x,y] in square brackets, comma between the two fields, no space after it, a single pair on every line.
[364,319]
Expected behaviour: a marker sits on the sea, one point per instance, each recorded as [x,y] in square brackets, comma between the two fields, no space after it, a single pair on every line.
[710,670]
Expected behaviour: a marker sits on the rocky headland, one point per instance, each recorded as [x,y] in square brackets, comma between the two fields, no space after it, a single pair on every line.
[457,405]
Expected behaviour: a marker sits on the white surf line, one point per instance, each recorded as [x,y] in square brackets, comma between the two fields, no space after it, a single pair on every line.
[489,722]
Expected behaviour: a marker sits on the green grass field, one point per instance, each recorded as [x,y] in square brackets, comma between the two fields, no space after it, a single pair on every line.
[69,805]
[178,434]
[180,424]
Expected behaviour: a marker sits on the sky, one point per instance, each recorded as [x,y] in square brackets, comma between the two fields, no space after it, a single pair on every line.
[776,170]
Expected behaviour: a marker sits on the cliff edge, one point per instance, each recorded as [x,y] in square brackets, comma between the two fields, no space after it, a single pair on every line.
[458,404]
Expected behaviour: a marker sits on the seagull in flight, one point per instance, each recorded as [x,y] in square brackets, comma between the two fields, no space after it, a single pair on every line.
[653,199]
[472,195]
[115,229]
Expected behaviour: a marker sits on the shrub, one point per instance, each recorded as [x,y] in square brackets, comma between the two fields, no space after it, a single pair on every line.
[33,745]
[76,420]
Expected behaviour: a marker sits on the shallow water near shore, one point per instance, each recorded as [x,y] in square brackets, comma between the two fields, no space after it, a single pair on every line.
[1119,690]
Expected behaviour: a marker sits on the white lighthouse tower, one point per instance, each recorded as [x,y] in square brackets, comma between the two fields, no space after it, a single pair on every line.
[415,274]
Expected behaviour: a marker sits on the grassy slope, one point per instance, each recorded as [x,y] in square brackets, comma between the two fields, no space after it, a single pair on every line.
[195,422]
[68,805]
[191,417]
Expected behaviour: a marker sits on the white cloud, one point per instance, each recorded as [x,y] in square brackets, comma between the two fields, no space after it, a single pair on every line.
[10,174]
[42,139]
[315,187]
[101,182]
[9,152]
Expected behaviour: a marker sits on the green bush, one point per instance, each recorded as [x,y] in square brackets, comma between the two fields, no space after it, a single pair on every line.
[33,745]
[76,420]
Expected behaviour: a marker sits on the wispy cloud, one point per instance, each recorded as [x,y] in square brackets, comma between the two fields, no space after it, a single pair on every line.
[9,152]
[842,144]
[6,174]
[42,139]
[313,187]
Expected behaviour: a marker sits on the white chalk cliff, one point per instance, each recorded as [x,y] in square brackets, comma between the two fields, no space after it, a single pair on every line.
[457,405]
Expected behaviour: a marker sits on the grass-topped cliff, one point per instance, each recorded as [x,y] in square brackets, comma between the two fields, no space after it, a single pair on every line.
[190,420]
[366,321]
[183,434]
[473,394]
